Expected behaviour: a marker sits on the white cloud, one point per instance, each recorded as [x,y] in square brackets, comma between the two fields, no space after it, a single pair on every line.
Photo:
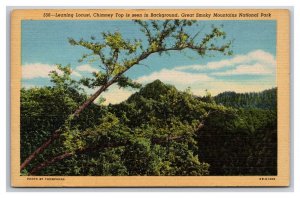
[252,58]
[75,74]
[86,68]
[115,95]
[258,63]
[174,77]
[254,69]
[40,70]
[201,82]
[37,70]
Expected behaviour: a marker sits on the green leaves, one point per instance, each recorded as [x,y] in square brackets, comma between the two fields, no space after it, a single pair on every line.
[124,82]
[115,41]
[61,78]
[73,140]
[117,55]
[99,79]
[94,46]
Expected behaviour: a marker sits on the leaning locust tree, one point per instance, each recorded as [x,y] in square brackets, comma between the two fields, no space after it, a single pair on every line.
[116,55]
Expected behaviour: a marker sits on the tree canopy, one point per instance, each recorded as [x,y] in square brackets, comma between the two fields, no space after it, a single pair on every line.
[157,131]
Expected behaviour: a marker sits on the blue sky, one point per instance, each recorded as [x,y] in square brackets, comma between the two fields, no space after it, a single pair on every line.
[251,68]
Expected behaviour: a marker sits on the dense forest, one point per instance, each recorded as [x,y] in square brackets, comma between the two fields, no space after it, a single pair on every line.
[262,100]
[156,131]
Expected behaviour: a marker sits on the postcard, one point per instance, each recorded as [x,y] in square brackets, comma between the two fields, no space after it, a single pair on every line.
[150,97]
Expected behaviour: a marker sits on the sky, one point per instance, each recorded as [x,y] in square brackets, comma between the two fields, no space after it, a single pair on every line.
[251,68]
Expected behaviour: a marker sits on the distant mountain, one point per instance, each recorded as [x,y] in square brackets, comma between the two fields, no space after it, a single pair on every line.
[263,100]
[233,141]
[160,101]
[153,90]
[266,99]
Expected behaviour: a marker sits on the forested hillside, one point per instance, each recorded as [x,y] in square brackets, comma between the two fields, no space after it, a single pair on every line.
[262,100]
[157,131]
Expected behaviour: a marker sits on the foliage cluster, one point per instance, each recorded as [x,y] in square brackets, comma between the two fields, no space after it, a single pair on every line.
[157,131]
